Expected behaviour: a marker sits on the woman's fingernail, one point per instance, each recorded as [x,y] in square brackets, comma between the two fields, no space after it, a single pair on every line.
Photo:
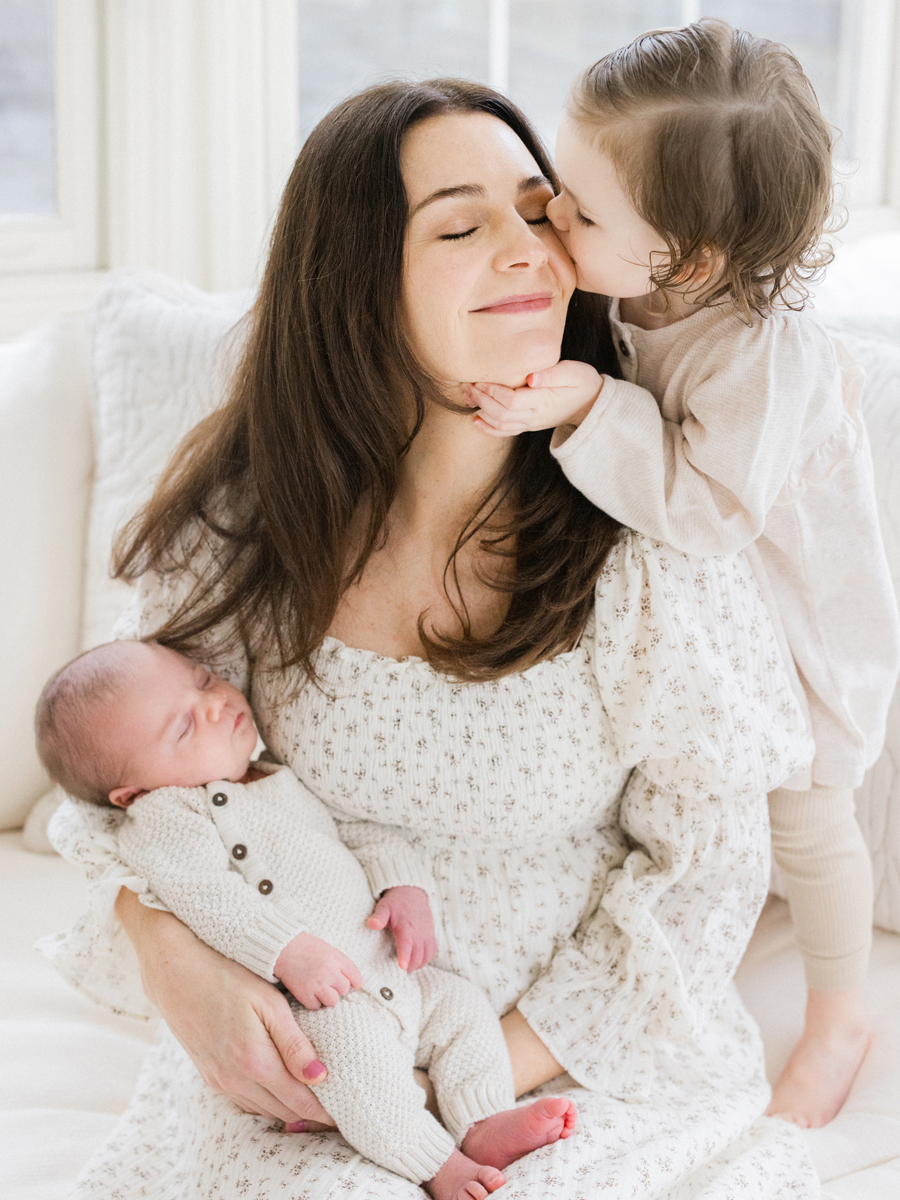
[297,1127]
[314,1069]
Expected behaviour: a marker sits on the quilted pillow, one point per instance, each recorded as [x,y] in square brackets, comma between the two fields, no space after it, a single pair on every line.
[160,355]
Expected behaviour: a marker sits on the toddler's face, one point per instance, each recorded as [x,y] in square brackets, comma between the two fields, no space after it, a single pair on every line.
[612,247]
[177,724]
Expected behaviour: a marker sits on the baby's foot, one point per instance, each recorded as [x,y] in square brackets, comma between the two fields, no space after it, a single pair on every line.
[462,1179]
[816,1080]
[506,1136]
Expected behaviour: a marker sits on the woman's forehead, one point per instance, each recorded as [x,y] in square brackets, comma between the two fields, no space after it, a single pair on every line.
[463,153]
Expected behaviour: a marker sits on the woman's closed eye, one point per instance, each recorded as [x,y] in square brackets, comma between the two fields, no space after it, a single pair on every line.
[543,219]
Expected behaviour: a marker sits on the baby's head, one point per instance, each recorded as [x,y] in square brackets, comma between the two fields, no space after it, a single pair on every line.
[129,717]
[695,159]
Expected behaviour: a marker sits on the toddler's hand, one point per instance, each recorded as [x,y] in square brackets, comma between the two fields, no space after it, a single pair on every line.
[561,395]
[315,972]
[407,913]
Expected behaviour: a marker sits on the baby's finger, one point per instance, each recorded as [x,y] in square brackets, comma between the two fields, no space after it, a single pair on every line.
[381,914]
[403,942]
[497,392]
[490,430]
[353,974]
[329,996]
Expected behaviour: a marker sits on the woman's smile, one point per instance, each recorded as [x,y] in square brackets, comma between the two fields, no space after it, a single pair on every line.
[532,302]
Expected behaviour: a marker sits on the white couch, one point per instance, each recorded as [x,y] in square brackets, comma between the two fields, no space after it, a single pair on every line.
[90,406]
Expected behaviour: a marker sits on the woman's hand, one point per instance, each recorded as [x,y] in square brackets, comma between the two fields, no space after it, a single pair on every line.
[407,913]
[237,1029]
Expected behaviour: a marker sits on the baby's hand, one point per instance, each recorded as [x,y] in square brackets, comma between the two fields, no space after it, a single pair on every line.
[406,911]
[561,395]
[315,972]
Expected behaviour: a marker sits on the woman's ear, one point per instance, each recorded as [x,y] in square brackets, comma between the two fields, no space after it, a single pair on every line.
[123,797]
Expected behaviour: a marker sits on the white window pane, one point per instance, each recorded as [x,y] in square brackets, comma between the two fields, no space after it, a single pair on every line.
[27,149]
[551,41]
[345,45]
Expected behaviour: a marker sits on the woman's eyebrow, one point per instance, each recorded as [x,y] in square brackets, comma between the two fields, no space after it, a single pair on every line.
[478,190]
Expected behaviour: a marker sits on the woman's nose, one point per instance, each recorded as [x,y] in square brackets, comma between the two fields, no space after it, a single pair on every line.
[525,248]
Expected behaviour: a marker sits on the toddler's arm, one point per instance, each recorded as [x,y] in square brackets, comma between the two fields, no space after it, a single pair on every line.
[703,483]
[407,913]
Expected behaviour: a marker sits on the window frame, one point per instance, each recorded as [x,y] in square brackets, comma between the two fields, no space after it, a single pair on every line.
[68,239]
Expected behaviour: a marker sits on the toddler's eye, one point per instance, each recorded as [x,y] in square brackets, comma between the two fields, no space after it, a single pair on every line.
[185,732]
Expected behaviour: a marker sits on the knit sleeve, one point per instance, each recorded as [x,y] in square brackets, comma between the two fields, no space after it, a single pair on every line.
[170,842]
[700,706]
[706,483]
[388,856]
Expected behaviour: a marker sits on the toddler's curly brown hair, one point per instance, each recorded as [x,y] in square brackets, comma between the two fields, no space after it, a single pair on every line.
[719,142]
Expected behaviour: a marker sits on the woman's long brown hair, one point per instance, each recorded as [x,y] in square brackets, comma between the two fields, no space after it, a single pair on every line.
[309,443]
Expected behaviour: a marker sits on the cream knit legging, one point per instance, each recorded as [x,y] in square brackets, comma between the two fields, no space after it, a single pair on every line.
[819,847]
[370,1090]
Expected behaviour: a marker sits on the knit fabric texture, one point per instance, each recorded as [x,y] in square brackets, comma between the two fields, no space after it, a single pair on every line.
[247,867]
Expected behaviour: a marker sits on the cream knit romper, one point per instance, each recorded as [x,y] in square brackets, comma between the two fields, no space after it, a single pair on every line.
[249,866]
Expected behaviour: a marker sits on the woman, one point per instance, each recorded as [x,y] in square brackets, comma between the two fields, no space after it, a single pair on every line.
[466,661]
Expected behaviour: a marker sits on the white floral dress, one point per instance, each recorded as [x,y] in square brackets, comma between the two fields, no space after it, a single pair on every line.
[593,835]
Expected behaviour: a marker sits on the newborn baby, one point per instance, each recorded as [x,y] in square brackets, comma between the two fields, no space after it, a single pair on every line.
[250,860]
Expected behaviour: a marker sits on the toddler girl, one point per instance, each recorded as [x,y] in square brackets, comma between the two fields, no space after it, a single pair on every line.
[250,860]
[696,175]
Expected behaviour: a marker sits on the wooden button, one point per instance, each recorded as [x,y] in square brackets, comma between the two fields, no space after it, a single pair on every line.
[623,347]
[265,886]
[387,993]
[239,851]
[219,799]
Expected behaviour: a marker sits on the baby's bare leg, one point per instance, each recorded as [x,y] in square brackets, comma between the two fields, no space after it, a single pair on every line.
[828,878]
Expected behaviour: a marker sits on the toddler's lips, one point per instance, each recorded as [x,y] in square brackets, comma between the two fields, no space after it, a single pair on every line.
[533,302]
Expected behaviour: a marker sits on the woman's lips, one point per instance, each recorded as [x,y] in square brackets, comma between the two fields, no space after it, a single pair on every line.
[533,302]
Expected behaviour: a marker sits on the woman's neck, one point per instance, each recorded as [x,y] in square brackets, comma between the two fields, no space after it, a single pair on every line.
[450,469]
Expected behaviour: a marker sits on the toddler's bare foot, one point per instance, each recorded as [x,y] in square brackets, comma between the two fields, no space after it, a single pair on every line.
[501,1139]
[814,1084]
[462,1179]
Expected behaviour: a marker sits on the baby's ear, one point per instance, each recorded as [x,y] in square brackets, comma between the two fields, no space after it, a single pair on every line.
[123,797]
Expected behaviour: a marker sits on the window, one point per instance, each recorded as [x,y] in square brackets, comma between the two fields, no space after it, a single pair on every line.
[533,48]
[49,135]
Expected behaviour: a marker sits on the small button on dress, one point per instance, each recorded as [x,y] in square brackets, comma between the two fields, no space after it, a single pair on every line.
[219,799]
[265,886]
[623,347]
[239,851]
[387,993]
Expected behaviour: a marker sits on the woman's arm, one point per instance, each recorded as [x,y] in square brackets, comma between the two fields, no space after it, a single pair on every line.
[237,1029]
[699,704]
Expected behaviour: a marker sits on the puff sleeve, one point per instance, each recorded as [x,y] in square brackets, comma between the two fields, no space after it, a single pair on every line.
[701,708]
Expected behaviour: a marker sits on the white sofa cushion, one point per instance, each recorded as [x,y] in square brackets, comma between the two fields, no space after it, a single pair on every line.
[160,349]
[878,800]
[45,476]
